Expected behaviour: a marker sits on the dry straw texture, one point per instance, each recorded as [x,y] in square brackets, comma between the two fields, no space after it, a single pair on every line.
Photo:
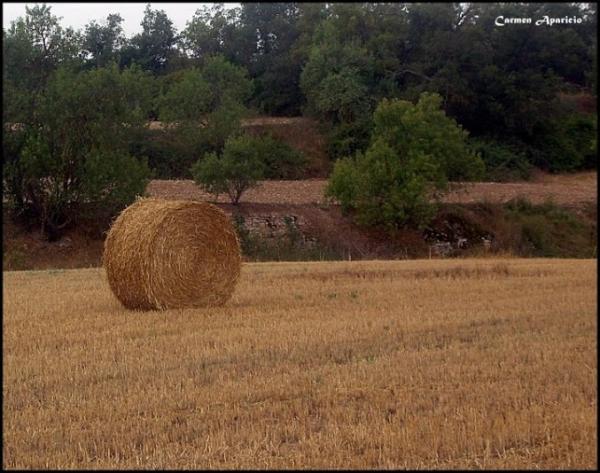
[417,364]
[163,254]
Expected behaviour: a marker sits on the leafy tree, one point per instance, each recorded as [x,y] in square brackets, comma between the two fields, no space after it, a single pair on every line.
[74,153]
[424,128]
[33,48]
[277,70]
[280,160]
[229,83]
[155,46]
[102,42]
[219,31]
[414,149]
[335,79]
[503,161]
[384,189]
[207,104]
[237,170]
[188,99]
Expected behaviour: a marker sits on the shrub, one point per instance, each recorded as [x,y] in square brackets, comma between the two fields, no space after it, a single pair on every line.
[503,162]
[414,150]
[565,143]
[170,152]
[237,170]
[281,161]
[73,154]
[547,230]
[345,139]
[424,128]
[383,189]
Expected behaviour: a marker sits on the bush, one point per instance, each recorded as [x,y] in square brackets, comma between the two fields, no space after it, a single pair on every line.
[503,162]
[73,154]
[346,139]
[414,150]
[237,170]
[170,152]
[281,161]
[384,189]
[424,128]
[566,143]
[547,230]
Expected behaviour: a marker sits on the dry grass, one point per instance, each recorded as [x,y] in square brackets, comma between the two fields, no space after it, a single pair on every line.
[418,364]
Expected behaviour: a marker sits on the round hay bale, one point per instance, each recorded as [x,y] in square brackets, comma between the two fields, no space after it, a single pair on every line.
[164,254]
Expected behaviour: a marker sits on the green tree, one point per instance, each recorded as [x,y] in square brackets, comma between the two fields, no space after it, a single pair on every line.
[280,160]
[33,48]
[156,46]
[74,156]
[424,128]
[207,104]
[414,149]
[238,169]
[335,78]
[102,42]
[384,189]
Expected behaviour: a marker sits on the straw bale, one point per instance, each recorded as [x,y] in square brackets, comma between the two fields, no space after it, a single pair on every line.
[164,254]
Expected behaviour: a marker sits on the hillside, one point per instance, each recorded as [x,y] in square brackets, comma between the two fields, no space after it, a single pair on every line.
[280,211]
[568,189]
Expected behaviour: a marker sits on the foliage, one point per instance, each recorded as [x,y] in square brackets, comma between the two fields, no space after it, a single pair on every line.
[414,150]
[425,129]
[384,188]
[565,142]
[503,162]
[237,170]
[155,47]
[102,42]
[33,48]
[73,155]
[169,153]
[336,61]
[547,230]
[281,161]
[207,104]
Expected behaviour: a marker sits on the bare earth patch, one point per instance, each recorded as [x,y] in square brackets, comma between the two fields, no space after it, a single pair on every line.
[569,190]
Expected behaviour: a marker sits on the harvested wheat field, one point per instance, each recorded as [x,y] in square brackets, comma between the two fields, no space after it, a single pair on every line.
[486,363]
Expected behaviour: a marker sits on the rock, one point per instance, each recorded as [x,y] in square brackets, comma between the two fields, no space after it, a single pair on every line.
[65,242]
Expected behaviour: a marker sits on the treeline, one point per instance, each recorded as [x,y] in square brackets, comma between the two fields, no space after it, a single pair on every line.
[519,90]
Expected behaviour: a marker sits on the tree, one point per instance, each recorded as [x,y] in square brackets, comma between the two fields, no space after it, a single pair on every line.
[414,149]
[212,97]
[384,189]
[74,156]
[33,48]
[102,42]
[424,128]
[218,31]
[335,78]
[155,46]
[280,160]
[237,170]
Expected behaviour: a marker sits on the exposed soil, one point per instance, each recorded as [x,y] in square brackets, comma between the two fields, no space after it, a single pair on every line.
[567,190]
[325,223]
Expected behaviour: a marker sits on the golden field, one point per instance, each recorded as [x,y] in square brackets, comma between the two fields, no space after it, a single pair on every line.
[487,363]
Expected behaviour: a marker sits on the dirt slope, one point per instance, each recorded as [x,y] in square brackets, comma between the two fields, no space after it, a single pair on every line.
[569,190]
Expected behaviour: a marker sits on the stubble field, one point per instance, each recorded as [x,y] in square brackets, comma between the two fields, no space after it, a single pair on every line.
[400,364]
